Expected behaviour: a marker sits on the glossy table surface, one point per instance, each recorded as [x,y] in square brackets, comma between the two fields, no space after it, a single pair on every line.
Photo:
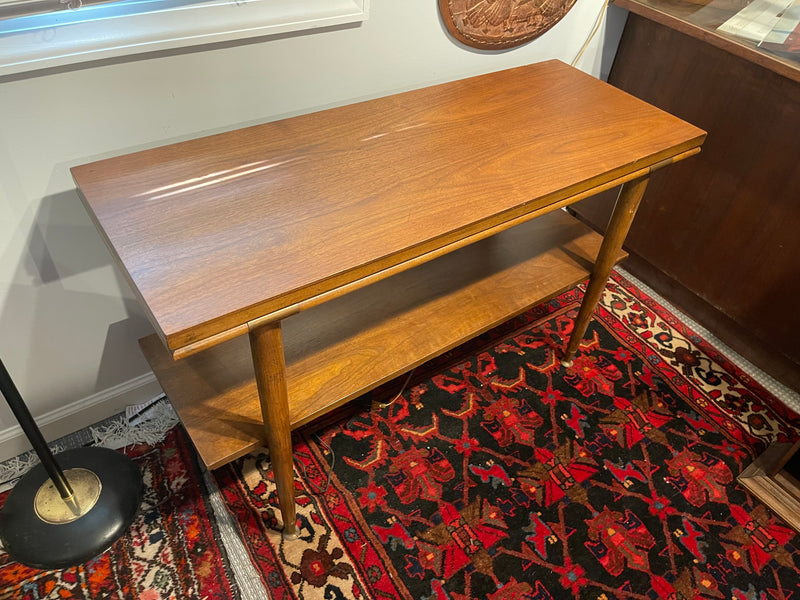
[215,232]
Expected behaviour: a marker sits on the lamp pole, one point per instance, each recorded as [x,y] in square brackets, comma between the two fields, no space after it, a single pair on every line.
[34,435]
[63,513]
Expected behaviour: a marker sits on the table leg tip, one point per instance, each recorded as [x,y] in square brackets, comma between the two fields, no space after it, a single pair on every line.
[566,363]
[290,535]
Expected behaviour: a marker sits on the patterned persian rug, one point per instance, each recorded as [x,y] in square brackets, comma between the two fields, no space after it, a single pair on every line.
[498,473]
[172,550]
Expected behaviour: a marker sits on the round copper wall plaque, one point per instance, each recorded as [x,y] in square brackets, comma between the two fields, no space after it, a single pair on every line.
[498,24]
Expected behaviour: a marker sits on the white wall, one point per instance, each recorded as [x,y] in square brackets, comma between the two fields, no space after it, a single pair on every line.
[68,322]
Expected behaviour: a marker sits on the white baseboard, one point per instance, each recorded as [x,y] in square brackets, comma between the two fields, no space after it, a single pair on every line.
[81,413]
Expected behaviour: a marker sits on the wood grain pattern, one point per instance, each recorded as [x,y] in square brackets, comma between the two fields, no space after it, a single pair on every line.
[266,347]
[624,211]
[777,488]
[345,347]
[347,288]
[215,232]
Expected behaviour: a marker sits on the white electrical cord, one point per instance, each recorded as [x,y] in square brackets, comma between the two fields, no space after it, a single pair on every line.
[598,21]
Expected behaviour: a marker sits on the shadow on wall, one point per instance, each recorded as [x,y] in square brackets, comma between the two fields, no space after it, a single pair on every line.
[615,19]
[67,311]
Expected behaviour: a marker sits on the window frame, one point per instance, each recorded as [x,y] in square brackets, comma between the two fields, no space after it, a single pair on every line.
[44,41]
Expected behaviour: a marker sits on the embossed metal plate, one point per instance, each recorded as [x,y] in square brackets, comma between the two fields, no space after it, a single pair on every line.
[499,24]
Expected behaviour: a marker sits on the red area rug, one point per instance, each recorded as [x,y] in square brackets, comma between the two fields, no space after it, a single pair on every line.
[172,550]
[501,474]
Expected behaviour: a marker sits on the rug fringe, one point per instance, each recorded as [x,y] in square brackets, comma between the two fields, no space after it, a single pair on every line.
[16,467]
[115,435]
[121,434]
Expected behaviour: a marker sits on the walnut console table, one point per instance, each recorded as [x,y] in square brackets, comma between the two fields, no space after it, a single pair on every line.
[352,244]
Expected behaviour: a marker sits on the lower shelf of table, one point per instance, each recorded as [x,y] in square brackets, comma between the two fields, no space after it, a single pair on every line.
[350,345]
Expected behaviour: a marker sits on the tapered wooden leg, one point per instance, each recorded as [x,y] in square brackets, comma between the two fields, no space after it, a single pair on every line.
[266,345]
[625,209]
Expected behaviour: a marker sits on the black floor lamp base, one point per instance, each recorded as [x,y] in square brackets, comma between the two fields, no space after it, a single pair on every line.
[38,529]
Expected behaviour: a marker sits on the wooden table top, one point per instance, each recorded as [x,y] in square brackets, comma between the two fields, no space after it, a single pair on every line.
[220,230]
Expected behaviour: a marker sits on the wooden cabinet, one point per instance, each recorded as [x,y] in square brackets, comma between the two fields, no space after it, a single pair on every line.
[720,237]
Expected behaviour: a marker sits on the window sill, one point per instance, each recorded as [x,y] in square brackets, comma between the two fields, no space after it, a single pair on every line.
[114,30]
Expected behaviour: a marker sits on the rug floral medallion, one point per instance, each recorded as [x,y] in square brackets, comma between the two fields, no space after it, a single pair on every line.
[172,551]
[501,474]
